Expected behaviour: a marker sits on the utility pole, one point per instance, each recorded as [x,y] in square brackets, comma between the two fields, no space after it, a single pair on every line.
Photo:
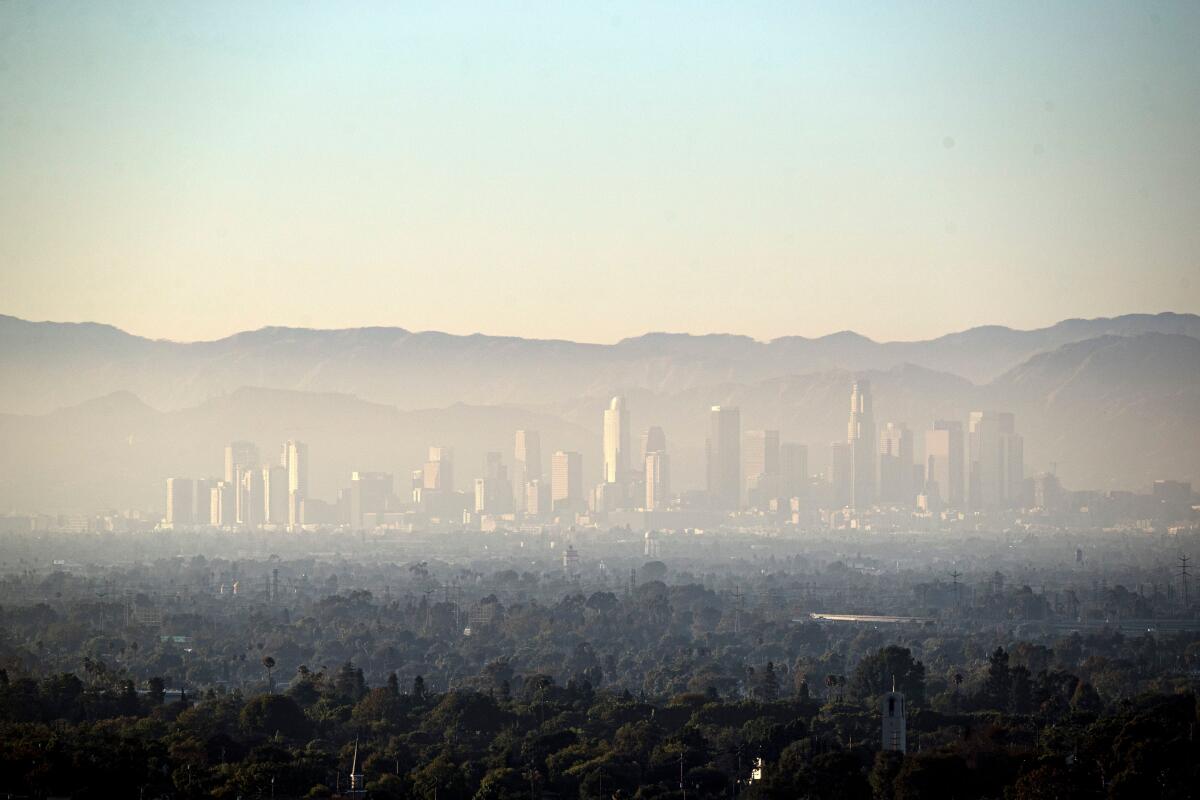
[737,608]
[955,575]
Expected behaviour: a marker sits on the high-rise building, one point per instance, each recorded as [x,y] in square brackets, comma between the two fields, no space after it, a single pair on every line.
[616,441]
[239,457]
[762,467]
[295,459]
[838,475]
[202,501]
[180,502]
[370,493]
[896,464]
[658,480]
[793,469]
[537,498]
[860,438]
[493,492]
[944,462]
[724,451]
[275,495]
[566,481]
[223,505]
[995,464]
[250,498]
[527,465]
[439,470]
[652,439]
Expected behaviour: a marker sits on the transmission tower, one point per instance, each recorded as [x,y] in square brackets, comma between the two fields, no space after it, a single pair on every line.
[1183,577]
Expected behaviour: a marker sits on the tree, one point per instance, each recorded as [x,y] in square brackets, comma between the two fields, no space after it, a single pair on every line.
[768,686]
[269,714]
[997,687]
[875,674]
[418,687]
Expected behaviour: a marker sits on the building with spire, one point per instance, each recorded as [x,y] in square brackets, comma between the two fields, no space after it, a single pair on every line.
[860,439]
[895,728]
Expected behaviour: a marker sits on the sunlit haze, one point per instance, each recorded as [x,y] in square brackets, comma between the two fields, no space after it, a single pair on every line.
[592,171]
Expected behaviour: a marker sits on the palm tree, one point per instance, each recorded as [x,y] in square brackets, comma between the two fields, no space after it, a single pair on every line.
[269,664]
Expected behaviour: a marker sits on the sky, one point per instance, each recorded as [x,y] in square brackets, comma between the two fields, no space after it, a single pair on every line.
[597,170]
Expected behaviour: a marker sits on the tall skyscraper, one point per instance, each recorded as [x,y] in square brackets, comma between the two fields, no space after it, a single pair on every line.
[223,506]
[995,468]
[616,441]
[493,491]
[838,474]
[295,459]
[762,467]
[566,481]
[180,502]
[370,493]
[896,464]
[527,465]
[724,450]
[250,498]
[658,480]
[793,469]
[944,462]
[275,495]
[652,439]
[239,456]
[439,469]
[860,438]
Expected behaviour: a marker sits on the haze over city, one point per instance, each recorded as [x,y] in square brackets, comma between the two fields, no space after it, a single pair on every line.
[620,401]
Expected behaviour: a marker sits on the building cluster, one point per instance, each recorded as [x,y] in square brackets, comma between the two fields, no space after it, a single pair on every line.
[959,469]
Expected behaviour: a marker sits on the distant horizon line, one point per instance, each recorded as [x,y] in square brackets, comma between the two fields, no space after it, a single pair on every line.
[646,334]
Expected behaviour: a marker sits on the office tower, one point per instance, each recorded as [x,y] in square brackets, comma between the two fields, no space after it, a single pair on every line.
[658,480]
[251,491]
[275,495]
[860,438]
[995,468]
[896,464]
[439,470]
[724,451]
[527,464]
[838,474]
[616,441]
[793,469]
[652,439]
[180,503]
[295,458]
[762,467]
[493,492]
[223,505]
[566,481]
[202,501]
[239,457]
[537,498]
[944,462]
[370,493]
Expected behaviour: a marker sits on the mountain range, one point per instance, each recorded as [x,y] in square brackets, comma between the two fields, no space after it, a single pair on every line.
[97,417]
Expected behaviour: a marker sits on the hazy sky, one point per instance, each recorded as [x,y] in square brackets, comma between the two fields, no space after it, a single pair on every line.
[596,170]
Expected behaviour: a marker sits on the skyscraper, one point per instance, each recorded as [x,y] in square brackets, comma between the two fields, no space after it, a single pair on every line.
[179,501]
[439,469]
[944,462]
[295,459]
[860,438]
[658,480]
[762,467]
[527,465]
[566,481]
[493,492]
[616,441]
[793,469]
[896,463]
[370,493]
[275,495]
[839,474]
[652,439]
[724,450]
[239,456]
[250,498]
[995,467]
